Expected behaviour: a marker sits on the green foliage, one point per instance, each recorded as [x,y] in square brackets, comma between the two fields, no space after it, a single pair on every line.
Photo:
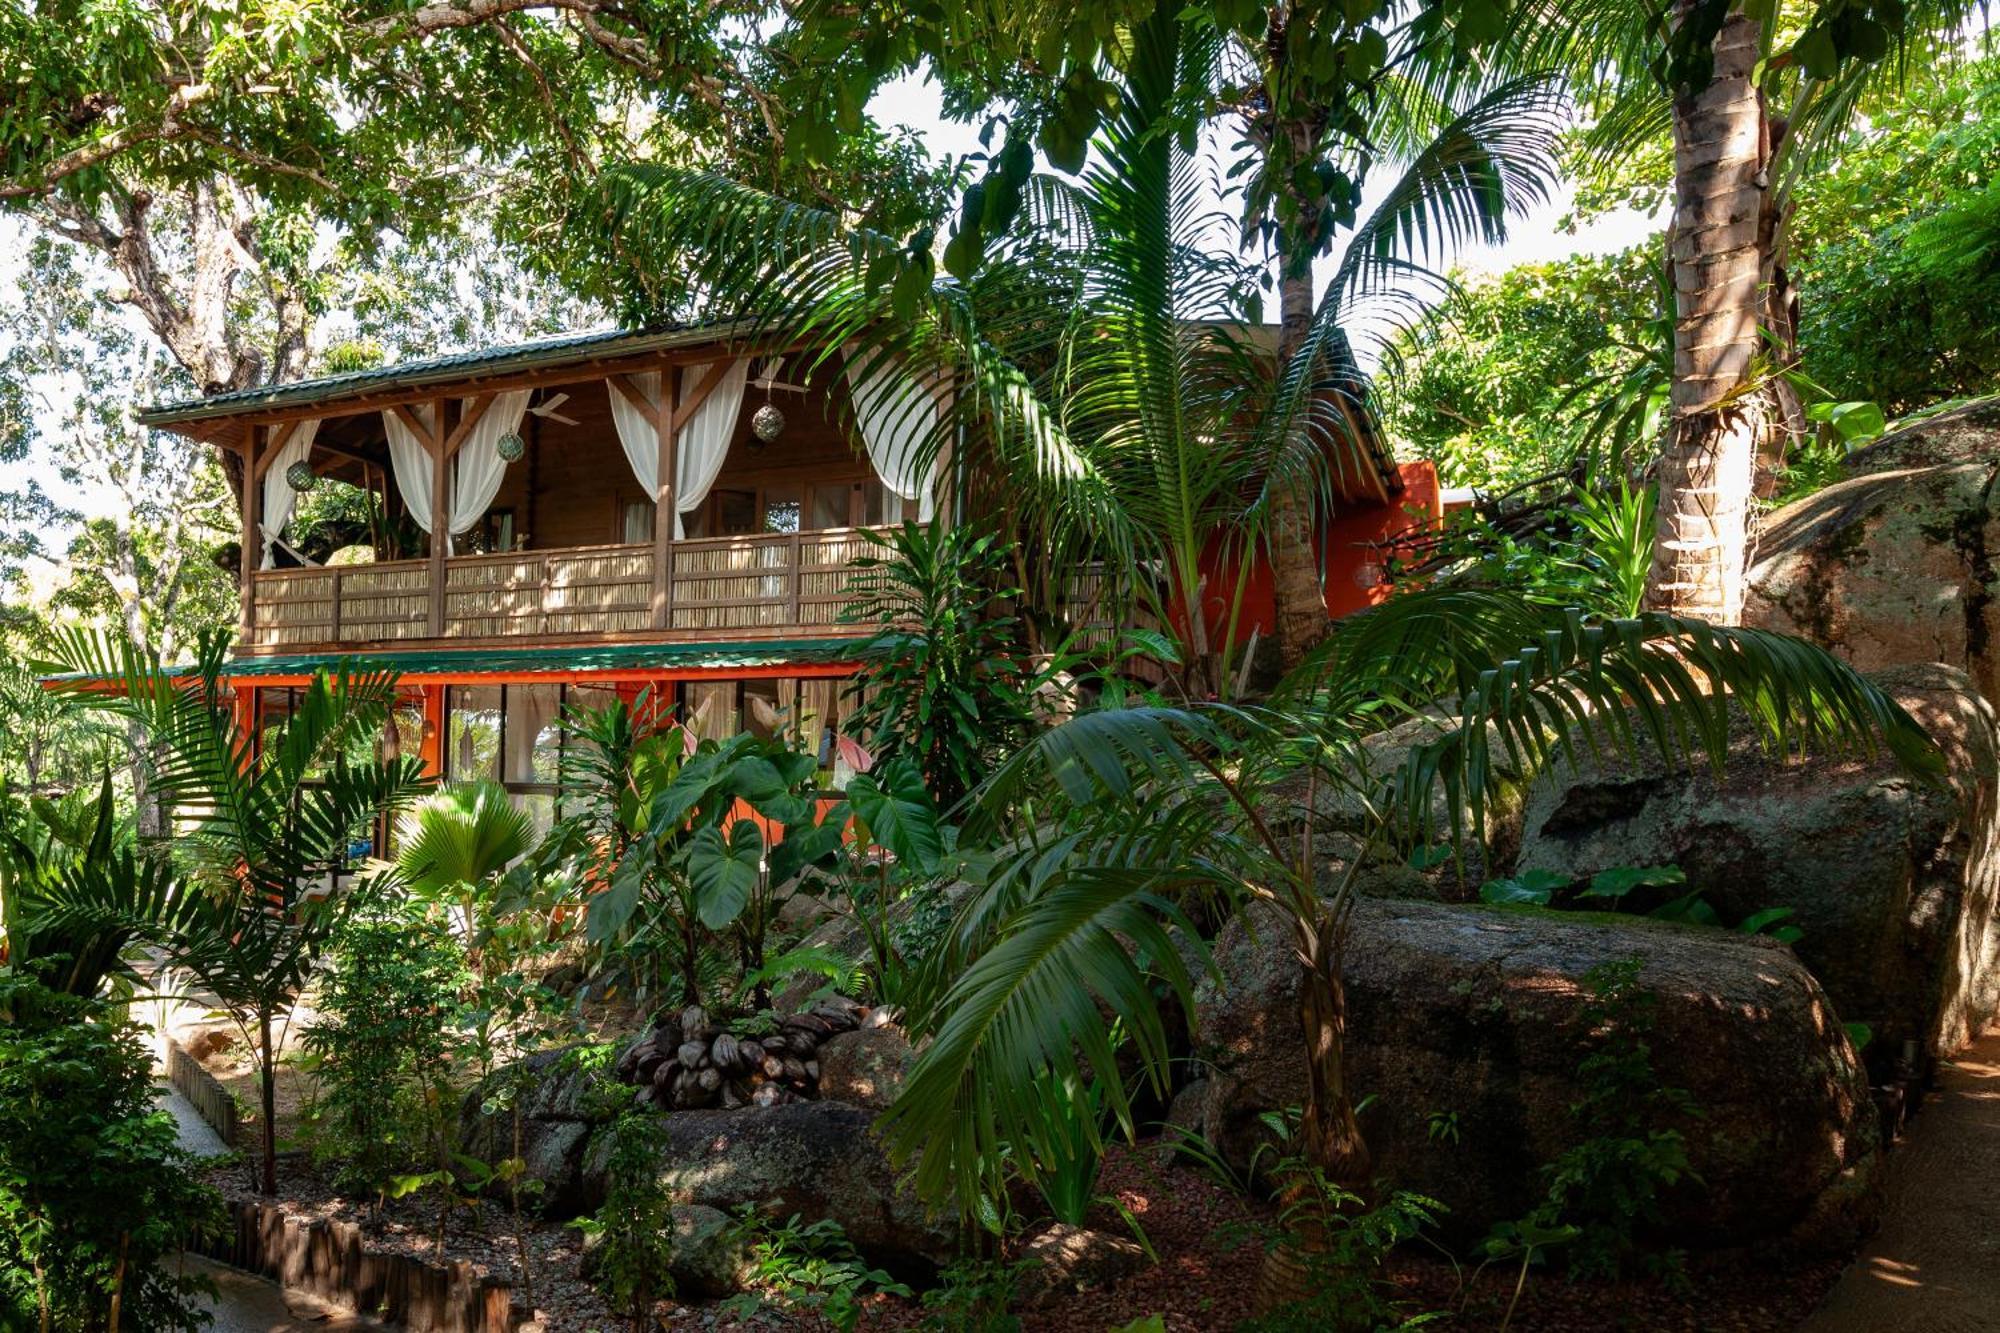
[974,1296]
[1097,838]
[258,828]
[635,1226]
[1504,384]
[1339,1242]
[1094,351]
[806,1269]
[95,1195]
[382,1046]
[948,682]
[1892,255]
[1605,1192]
[455,845]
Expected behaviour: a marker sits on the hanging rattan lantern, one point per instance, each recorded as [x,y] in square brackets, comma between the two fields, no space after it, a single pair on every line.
[511,447]
[300,476]
[767,423]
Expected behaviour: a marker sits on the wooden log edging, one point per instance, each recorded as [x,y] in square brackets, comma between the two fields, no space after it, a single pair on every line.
[204,1092]
[331,1260]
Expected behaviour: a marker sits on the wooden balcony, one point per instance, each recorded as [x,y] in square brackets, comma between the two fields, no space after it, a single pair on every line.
[749,587]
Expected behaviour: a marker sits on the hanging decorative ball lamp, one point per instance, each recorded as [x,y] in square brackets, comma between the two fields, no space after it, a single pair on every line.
[767,422]
[300,476]
[511,447]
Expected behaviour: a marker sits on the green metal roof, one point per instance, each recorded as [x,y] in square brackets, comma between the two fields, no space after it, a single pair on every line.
[764,653]
[540,354]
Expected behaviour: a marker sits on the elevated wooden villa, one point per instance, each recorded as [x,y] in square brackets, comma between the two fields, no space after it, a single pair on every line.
[664,508]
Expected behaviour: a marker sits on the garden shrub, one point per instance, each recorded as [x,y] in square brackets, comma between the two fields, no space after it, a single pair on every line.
[95,1192]
[382,1046]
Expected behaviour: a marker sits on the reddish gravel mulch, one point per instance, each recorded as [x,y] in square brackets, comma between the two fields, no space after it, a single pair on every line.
[1207,1279]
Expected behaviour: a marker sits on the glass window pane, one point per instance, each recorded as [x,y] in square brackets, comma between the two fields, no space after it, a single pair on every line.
[765,708]
[694,522]
[829,507]
[639,522]
[737,512]
[532,735]
[274,709]
[405,739]
[781,508]
[878,506]
[711,710]
[472,741]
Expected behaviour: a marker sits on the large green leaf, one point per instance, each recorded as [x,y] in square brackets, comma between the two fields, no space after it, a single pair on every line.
[723,868]
[895,812]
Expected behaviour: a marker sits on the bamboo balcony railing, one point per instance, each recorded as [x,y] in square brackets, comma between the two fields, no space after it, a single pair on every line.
[747,587]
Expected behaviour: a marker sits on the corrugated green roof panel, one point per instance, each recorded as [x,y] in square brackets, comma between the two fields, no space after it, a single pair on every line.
[455,365]
[585,657]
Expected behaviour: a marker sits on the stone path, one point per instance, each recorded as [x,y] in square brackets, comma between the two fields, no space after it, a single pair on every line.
[196,1134]
[1935,1265]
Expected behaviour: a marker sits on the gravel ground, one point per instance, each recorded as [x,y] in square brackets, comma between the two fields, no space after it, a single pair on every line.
[1206,1282]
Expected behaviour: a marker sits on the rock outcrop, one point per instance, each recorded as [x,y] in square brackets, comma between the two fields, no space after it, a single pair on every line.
[817,1159]
[555,1100]
[1894,564]
[1479,1014]
[1895,884]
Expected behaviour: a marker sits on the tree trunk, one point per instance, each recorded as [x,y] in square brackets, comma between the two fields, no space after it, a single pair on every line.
[1296,576]
[1330,1133]
[267,1084]
[1707,471]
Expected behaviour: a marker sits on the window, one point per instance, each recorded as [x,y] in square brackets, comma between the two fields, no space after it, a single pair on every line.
[831,507]
[473,720]
[736,513]
[781,508]
[638,522]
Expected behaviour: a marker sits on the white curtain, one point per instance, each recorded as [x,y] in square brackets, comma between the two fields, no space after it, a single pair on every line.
[635,430]
[704,441]
[410,459]
[895,415]
[275,507]
[477,468]
[702,445]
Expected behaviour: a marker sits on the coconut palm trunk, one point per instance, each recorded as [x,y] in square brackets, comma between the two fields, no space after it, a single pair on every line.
[1296,584]
[1708,467]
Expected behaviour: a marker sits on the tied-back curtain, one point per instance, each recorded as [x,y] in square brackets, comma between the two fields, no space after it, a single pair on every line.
[279,498]
[703,443]
[410,459]
[635,430]
[896,415]
[477,468]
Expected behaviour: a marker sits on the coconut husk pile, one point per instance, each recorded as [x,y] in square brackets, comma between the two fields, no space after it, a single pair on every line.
[692,1061]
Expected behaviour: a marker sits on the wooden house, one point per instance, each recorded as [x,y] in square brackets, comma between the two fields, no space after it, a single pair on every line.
[624,510]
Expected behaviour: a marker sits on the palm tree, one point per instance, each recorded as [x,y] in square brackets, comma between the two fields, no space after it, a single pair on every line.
[260,832]
[1098,354]
[1103,831]
[455,845]
[1710,72]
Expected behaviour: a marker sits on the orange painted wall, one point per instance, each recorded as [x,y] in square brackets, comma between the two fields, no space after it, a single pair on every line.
[1356,544]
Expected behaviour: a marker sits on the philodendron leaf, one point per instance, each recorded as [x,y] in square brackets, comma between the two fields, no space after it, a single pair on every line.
[896,809]
[1621,880]
[1530,888]
[723,871]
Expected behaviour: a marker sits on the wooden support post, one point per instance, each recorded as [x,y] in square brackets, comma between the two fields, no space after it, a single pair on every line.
[664,499]
[253,546]
[440,510]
